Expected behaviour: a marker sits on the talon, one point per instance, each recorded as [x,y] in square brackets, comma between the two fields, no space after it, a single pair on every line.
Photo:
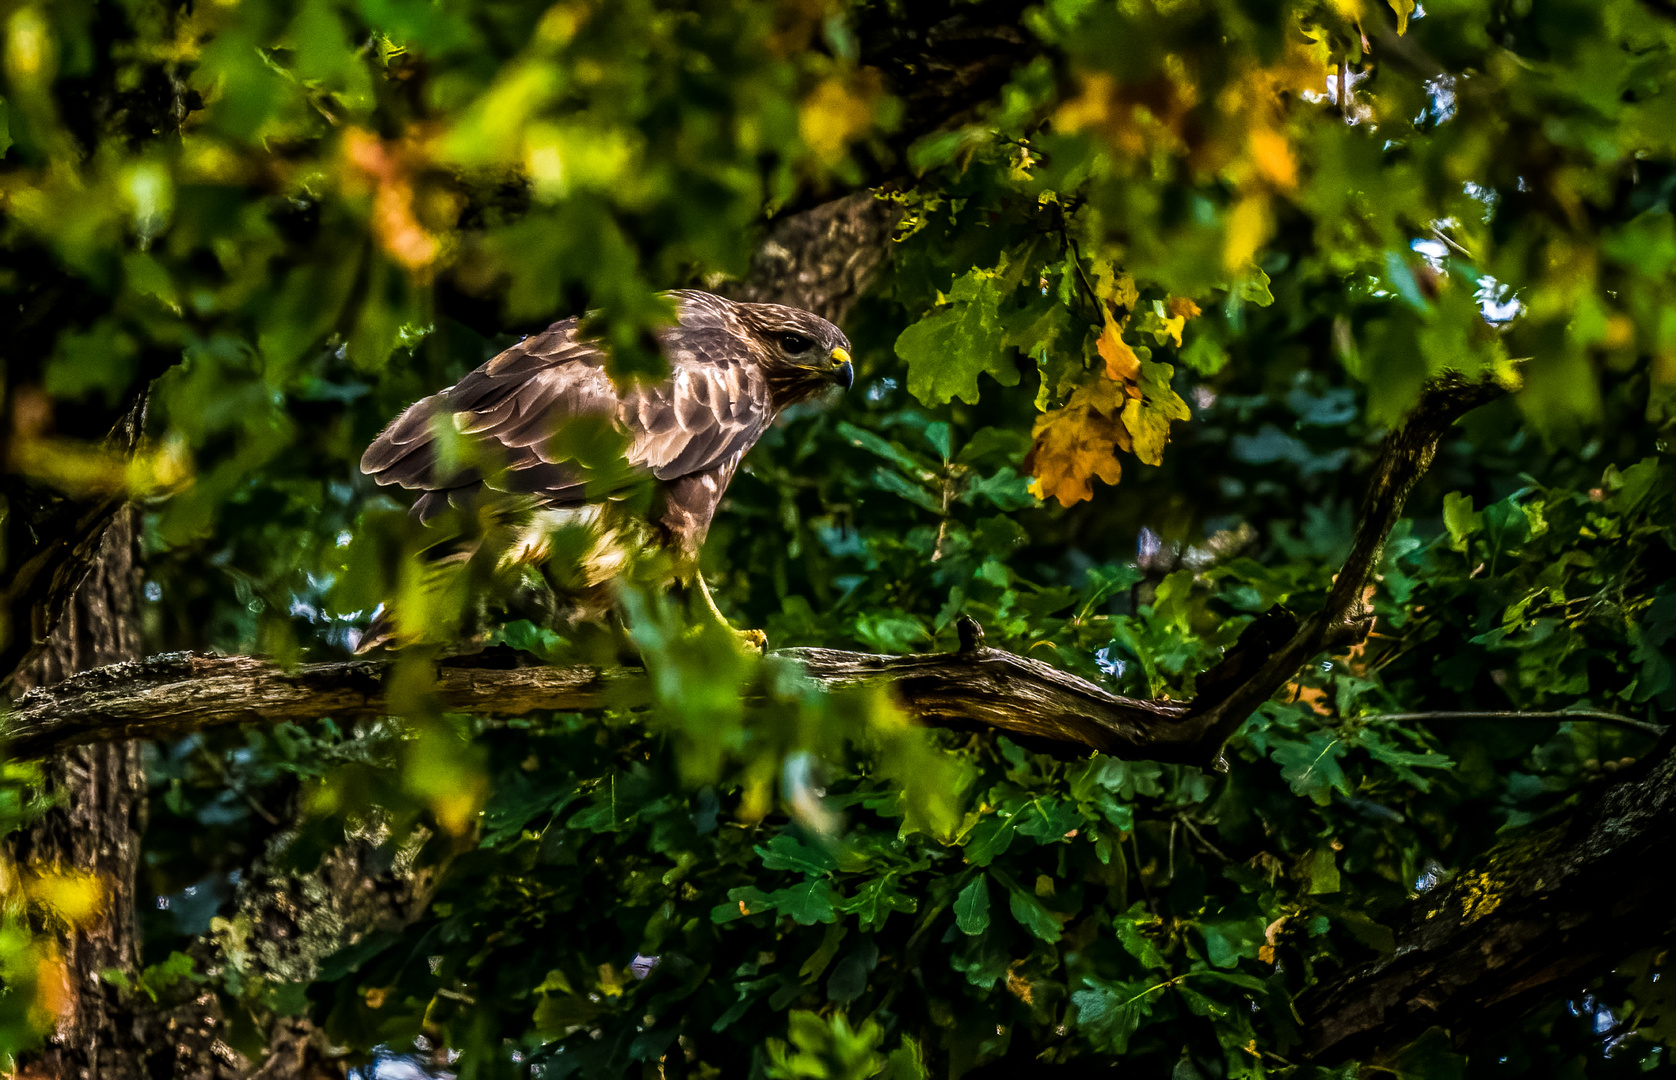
[752,640]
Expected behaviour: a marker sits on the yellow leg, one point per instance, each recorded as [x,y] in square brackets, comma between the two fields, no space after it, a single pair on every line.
[752,640]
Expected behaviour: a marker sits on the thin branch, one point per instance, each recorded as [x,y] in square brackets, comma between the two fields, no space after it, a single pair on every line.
[1253,670]
[1596,715]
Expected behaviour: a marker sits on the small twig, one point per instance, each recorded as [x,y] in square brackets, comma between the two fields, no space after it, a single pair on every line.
[1597,715]
[1443,236]
[1082,276]
[232,783]
[1200,837]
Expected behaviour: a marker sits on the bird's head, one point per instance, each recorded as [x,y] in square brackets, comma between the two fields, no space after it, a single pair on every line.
[802,353]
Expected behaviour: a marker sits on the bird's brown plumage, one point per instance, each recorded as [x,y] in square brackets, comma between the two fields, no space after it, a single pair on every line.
[733,368]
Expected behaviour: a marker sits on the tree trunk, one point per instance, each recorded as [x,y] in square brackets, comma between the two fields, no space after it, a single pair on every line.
[95,826]
[1544,912]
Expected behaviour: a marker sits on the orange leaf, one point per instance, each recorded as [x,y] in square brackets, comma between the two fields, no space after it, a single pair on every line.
[1180,307]
[1122,364]
[1273,155]
[1078,443]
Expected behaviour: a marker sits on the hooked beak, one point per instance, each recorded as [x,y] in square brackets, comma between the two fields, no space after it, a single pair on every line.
[844,373]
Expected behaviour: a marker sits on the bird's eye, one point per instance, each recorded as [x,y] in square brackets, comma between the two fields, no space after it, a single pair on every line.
[795,343]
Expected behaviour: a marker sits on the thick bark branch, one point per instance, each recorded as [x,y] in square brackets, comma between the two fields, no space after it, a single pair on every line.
[823,259]
[170,695]
[1539,913]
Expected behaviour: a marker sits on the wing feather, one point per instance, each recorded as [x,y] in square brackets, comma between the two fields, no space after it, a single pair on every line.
[713,407]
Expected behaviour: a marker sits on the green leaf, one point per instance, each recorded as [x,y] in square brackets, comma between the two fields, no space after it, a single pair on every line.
[827,1048]
[866,440]
[971,907]
[1134,942]
[788,852]
[1006,489]
[1047,820]
[741,902]
[1403,762]
[1459,519]
[876,899]
[1312,766]
[1109,1012]
[1231,939]
[1030,913]
[1431,1056]
[1323,871]
[906,1062]
[809,903]
[948,349]
[897,484]
[982,959]
[1631,486]
[989,838]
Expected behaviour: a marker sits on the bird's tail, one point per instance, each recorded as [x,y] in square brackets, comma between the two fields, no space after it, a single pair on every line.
[380,633]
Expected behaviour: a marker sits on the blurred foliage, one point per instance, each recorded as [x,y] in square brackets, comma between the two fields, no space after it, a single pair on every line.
[1207,248]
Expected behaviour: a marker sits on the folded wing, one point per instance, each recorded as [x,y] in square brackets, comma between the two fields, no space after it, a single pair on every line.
[714,405]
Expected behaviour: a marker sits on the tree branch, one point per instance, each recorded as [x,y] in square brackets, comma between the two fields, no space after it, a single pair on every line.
[177,693]
[1403,458]
[1596,715]
[167,696]
[1529,918]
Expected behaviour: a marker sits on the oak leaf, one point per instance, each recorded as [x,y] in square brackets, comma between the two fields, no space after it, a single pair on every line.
[1122,365]
[1079,442]
[962,338]
[1148,417]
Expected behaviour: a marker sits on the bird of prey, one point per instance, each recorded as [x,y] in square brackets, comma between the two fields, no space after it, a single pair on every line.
[733,368]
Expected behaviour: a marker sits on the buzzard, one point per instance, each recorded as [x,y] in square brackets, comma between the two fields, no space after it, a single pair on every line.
[733,368]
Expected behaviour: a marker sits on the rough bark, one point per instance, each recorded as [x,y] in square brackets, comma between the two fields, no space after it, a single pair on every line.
[170,695]
[96,824]
[1539,913]
[54,543]
[823,259]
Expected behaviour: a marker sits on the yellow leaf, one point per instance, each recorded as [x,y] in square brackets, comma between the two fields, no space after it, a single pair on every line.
[1248,227]
[1172,317]
[1122,364]
[1403,8]
[1148,416]
[837,112]
[1091,107]
[1079,442]
[1115,286]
